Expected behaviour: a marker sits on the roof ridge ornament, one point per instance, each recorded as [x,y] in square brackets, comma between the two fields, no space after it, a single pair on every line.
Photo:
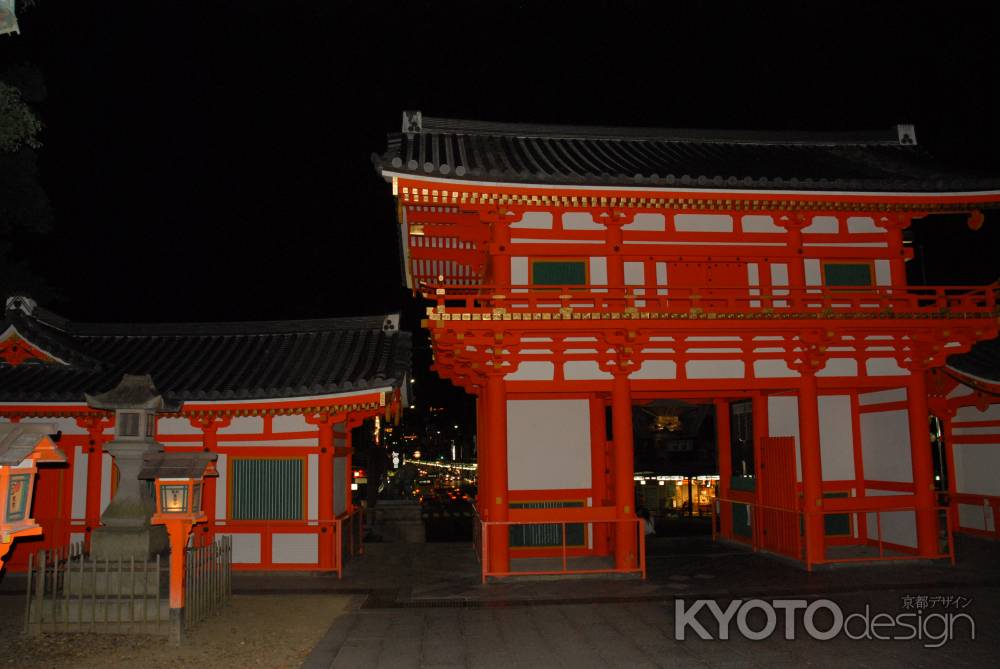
[907,134]
[413,121]
[21,303]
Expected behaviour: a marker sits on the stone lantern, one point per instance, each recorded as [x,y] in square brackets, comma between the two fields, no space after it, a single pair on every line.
[126,529]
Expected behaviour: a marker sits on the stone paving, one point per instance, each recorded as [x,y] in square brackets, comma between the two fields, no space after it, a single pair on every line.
[423,606]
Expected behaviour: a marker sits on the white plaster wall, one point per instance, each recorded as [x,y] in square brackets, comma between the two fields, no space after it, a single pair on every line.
[839,367]
[222,491]
[244,425]
[977,468]
[548,444]
[812,271]
[339,494]
[78,509]
[534,220]
[519,270]
[961,390]
[885,446]
[635,273]
[822,225]
[884,367]
[715,369]
[779,274]
[783,421]
[579,220]
[967,414]
[583,370]
[976,517]
[647,222]
[170,426]
[773,369]
[246,547]
[898,527]
[532,370]
[312,486]
[883,273]
[294,548]
[835,437]
[703,223]
[756,223]
[655,369]
[291,423]
[862,224]
[882,396]
[599,271]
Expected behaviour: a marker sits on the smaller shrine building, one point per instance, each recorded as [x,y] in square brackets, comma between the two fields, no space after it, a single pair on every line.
[276,401]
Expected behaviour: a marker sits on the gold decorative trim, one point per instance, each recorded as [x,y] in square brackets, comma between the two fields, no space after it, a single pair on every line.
[434,196]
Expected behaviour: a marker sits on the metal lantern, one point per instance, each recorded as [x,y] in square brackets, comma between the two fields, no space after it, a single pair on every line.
[179,478]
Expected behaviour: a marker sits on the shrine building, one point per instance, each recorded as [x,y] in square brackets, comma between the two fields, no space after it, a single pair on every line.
[277,401]
[578,273]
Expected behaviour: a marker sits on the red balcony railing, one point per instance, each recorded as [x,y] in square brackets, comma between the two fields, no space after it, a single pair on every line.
[920,301]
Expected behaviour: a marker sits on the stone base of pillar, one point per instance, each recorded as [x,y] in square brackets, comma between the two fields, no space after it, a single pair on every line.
[112,543]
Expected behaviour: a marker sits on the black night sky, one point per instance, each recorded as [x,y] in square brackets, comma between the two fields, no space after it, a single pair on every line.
[211,160]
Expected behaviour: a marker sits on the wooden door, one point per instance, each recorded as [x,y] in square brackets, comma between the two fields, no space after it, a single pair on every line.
[780,528]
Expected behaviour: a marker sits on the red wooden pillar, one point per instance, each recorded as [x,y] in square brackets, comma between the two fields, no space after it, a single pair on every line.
[897,261]
[621,417]
[923,464]
[324,496]
[496,410]
[945,415]
[598,443]
[758,414]
[95,426]
[724,442]
[348,463]
[210,442]
[482,458]
[812,472]
[500,252]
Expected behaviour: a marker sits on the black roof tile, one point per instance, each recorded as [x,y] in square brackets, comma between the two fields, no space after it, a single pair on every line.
[982,361]
[889,161]
[205,361]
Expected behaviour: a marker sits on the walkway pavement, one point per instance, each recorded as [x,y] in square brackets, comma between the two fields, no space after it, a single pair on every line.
[422,605]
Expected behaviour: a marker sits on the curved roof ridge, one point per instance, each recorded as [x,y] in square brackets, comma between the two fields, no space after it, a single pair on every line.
[430,124]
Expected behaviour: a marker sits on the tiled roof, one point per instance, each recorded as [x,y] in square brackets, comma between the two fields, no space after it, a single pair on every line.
[888,161]
[204,361]
[981,363]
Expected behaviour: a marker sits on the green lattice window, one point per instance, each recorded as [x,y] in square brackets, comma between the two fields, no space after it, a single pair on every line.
[267,489]
[847,274]
[558,273]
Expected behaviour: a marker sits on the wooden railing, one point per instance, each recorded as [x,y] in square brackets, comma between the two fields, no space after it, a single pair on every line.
[853,506]
[208,579]
[69,591]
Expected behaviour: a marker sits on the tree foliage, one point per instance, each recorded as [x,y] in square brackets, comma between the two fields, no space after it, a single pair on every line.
[19,127]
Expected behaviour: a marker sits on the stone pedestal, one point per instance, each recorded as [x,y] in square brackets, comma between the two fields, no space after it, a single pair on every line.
[126,530]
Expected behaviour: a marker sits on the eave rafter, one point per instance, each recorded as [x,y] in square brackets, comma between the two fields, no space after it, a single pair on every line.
[417,192]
